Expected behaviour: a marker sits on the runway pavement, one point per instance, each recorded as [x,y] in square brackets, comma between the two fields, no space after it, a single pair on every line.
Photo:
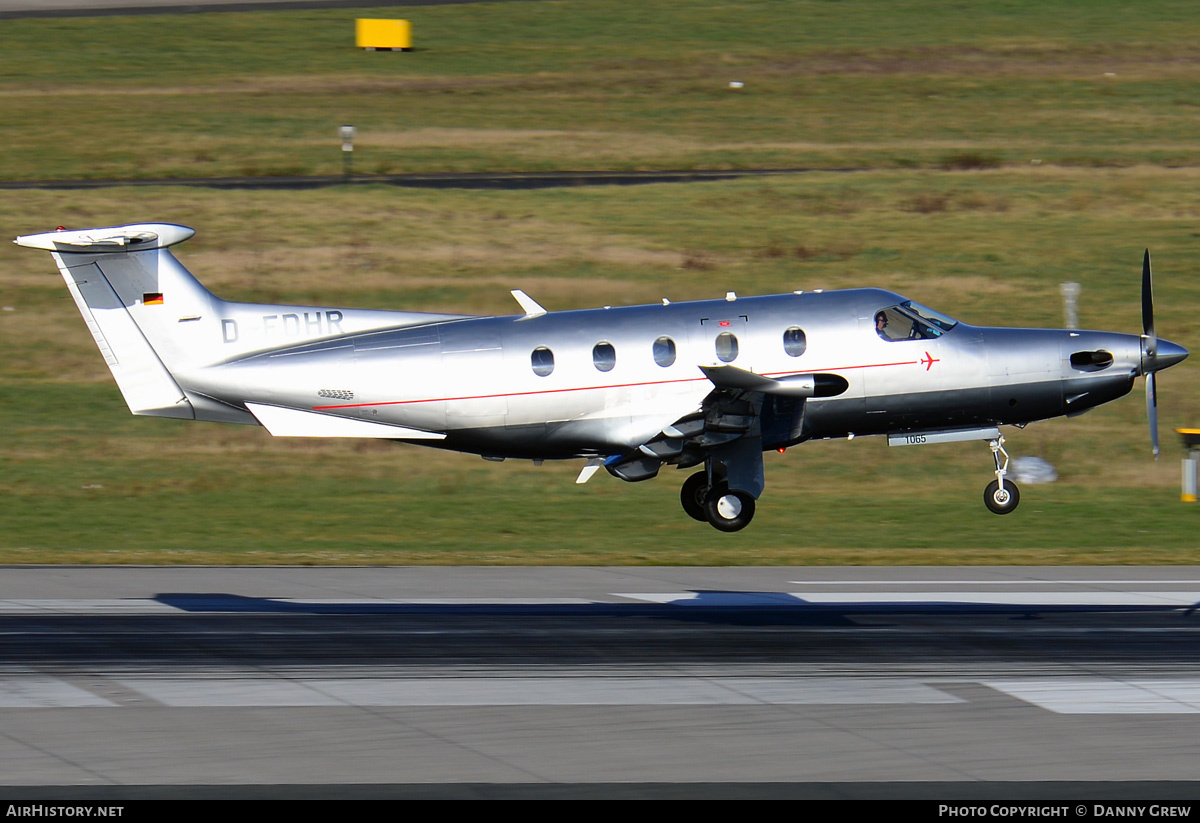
[944,684]
[798,682]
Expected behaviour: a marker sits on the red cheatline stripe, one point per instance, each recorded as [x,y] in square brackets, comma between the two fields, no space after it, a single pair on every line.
[599,388]
[511,394]
[843,368]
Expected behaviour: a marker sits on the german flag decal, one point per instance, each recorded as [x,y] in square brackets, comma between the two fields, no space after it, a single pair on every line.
[152,299]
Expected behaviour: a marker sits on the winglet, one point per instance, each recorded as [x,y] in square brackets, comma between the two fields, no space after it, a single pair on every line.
[532,307]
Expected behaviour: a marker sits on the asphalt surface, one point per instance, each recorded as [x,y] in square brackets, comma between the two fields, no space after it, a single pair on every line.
[938,684]
[625,682]
[442,180]
[12,9]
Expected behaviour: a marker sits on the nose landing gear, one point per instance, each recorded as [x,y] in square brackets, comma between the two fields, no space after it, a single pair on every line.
[1001,496]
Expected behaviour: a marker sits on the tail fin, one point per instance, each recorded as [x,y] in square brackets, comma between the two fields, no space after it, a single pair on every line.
[143,308]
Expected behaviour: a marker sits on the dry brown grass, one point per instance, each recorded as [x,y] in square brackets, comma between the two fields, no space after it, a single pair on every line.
[1029,58]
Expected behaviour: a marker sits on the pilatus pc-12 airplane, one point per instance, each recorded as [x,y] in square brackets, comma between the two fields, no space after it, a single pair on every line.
[712,383]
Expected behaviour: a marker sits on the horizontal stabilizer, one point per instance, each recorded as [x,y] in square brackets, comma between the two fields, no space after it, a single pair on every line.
[282,422]
[136,237]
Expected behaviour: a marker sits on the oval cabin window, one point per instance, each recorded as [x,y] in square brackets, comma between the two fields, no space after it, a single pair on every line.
[604,357]
[794,342]
[542,361]
[727,347]
[664,351]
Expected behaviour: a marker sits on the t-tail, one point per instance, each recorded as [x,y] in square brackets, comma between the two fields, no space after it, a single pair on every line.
[143,308]
[153,321]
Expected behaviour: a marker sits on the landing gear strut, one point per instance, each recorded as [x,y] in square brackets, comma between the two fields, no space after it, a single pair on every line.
[724,509]
[1001,496]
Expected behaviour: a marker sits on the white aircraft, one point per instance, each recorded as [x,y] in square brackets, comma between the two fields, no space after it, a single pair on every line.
[711,383]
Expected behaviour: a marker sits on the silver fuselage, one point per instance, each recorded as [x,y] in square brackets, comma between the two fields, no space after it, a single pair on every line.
[474,379]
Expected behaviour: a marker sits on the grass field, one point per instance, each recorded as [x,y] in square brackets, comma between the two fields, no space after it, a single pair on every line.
[605,85]
[942,109]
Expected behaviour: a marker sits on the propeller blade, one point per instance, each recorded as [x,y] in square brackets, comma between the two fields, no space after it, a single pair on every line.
[1149,338]
[1152,411]
[1149,351]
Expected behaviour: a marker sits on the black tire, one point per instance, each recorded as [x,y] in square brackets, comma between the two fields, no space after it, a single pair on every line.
[728,511]
[693,494]
[1001,502]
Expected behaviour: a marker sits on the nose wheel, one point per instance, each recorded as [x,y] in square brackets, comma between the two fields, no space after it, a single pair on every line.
[1001,500]
[1001,496]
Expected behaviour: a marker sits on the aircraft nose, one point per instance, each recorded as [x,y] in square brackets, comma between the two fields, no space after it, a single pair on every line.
[1169,354]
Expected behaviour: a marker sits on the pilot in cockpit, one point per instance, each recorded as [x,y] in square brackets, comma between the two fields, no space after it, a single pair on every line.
[916,330]
[880,322]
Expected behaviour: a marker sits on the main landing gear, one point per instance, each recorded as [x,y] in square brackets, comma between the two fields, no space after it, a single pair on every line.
[721,507]
[1001,496]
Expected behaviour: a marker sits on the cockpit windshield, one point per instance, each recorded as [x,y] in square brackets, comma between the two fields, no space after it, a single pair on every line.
[911,321]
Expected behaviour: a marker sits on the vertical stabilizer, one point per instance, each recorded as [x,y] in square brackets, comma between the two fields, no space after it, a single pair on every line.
[137,301]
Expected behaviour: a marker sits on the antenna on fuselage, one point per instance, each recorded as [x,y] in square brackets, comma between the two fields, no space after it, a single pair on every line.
[531,307]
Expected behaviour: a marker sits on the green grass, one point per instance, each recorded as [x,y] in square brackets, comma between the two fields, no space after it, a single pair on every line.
[944,109]
[83,481]
[104,490]
[604,85]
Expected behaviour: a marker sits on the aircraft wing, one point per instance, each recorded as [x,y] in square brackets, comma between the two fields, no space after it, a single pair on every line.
[726,431]
[791,385]
[744,413]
